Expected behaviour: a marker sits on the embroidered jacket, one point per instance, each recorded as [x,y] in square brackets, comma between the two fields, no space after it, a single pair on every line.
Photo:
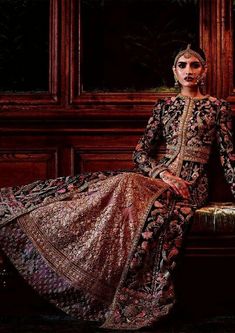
[189,127]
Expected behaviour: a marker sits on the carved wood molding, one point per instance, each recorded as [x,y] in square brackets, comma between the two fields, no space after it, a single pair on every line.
[85,99]
[102,160]
[66,99]
[217,40]
[27,165]
[24,99]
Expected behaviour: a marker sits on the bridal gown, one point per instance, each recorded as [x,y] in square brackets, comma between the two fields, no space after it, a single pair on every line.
[103,246]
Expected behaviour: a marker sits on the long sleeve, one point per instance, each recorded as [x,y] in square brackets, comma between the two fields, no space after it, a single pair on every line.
[225,142]
[142,153]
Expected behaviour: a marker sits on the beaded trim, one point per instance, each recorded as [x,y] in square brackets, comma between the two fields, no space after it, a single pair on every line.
[194,154]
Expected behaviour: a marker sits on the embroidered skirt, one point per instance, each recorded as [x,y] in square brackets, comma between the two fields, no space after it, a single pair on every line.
[100,249]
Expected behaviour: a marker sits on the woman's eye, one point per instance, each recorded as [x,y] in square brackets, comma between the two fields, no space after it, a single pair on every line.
[193,65]
[196,65]
[181,65]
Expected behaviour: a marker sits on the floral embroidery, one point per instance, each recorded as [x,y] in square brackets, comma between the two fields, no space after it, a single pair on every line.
[136,222]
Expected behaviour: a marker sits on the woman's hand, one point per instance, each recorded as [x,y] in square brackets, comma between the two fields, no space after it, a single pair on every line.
[179,185]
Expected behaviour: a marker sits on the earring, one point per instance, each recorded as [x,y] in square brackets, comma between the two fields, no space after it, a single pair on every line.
[201,80]
[176,82]
[201,83]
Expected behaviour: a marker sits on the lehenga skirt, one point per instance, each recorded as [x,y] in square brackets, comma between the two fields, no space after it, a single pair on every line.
[101,247]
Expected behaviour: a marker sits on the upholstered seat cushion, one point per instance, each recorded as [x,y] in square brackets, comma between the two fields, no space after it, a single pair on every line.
[216,218]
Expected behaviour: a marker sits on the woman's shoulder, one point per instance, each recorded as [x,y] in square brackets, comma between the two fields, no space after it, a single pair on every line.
[218,101]
[220,105]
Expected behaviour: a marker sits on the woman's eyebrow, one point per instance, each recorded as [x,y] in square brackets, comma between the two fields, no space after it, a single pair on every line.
[185,62]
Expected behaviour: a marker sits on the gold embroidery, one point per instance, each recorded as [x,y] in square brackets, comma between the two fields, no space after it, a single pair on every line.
[177,159]
[194,154]
[74,235]
[109,319]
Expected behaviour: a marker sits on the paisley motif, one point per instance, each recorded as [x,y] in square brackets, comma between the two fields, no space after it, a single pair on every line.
[103,246]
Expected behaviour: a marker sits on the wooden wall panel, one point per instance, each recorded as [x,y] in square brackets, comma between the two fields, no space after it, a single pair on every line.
[26,102]
[25,166]
[102,160]
[25,158]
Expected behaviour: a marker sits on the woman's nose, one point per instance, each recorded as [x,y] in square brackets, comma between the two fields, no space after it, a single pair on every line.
[188,69]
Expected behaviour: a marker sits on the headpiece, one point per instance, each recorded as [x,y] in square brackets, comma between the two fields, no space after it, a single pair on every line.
[187,53]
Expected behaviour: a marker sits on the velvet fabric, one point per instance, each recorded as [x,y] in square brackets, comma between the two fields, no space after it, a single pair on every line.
[103,246]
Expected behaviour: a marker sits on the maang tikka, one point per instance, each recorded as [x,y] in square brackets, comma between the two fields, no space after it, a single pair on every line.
[187,53]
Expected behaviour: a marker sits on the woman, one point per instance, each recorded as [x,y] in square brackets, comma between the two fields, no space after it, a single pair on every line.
[103,246]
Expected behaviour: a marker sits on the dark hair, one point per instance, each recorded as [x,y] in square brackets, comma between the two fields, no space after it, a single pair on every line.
[199,51]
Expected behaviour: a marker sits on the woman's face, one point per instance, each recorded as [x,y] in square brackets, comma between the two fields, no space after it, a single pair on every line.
[188,71]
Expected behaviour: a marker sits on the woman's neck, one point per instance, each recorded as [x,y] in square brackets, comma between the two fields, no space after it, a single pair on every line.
[191,92]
